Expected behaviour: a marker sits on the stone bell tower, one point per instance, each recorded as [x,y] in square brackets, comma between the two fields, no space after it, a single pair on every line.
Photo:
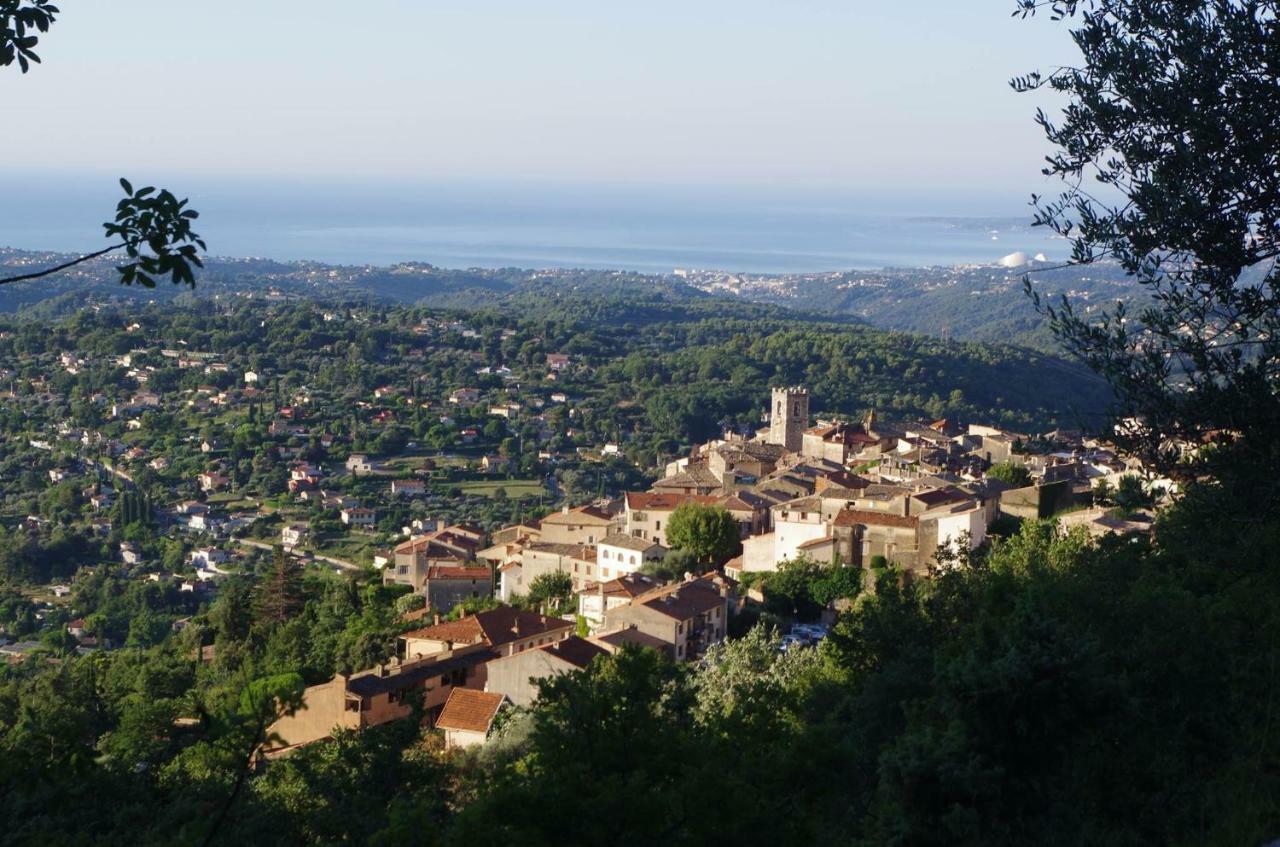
[789,417]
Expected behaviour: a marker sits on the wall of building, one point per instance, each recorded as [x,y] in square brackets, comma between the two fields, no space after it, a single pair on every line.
[323,710]
[515,676]
[649,622]
[444,594]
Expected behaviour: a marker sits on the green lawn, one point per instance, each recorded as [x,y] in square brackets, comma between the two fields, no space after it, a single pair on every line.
[515,488]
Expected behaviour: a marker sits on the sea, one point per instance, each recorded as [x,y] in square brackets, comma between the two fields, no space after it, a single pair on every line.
[543,224]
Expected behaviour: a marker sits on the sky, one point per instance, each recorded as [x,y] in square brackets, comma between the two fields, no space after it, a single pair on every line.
[850,94]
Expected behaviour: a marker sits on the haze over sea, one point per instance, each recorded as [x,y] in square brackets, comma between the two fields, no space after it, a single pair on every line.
[650,228]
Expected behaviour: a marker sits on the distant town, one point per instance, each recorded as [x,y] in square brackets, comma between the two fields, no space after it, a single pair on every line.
[520,532]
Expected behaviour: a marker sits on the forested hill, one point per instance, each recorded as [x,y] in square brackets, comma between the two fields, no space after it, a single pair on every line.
[973,303]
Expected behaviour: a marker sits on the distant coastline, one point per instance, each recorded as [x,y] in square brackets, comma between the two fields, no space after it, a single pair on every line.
[632,229]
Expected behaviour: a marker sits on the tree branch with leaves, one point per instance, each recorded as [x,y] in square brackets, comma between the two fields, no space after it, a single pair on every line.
[153,227]
[1169,151]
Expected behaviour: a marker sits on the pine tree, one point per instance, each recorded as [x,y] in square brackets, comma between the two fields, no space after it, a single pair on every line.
[280,592]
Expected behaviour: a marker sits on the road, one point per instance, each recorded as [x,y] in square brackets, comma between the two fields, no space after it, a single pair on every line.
[342,563]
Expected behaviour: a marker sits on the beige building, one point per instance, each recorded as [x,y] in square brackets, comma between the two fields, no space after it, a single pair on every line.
[453,546]
[576,560]
[516,676]
[647,514]
[468,716]
[599,597]
[503,630]
[376,696]
[446,586]
[583,525]
[688,616]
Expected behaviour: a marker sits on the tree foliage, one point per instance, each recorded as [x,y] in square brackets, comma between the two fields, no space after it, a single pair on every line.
[1167,150]
[710,533]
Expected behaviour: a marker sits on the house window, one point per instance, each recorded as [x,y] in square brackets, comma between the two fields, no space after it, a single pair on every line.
[633,558]
[657,525]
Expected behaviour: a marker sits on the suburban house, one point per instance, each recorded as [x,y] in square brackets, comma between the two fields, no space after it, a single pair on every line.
[359,516]
[408,487]
[465,397]
[376,696]
[203,557]
[291,535]
[503,630]
[213,481]
[516,676]
[468,716]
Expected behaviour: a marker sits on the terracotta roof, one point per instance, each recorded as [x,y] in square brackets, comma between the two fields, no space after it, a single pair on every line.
[686,600]
[629,585]
[411,674]
[495,627]
[583,552]
[853,517]
[451,572]
[577,515]
[469,710]
[632,635]
[939,496]
[696,476]
[576,651]
[665,502]
[628,542]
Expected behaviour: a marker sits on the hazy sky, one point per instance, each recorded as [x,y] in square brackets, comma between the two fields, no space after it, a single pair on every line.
[844,93]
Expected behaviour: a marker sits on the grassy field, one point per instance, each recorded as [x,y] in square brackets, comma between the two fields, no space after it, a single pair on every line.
[353,548]
[515,488]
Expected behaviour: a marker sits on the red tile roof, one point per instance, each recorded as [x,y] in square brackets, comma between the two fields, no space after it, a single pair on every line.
[469,710]
[666,502]
[495,627]
[853,517]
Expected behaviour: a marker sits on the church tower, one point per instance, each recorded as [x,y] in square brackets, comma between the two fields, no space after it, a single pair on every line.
[789,417]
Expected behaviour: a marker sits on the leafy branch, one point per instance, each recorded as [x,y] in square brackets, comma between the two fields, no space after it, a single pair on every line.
[17,19]
[154,228]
